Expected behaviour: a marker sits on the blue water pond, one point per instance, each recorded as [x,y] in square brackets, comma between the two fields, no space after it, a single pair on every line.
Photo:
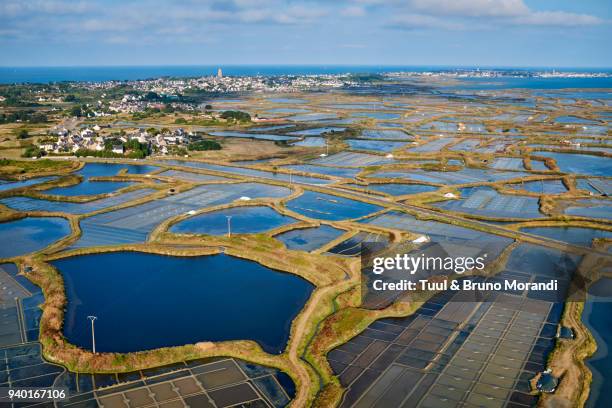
[31,234]
[89,187]
[244,220]
[309,239]
[329,207]
[147,301]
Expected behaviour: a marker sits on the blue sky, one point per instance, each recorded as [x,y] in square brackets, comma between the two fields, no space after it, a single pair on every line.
[561,33]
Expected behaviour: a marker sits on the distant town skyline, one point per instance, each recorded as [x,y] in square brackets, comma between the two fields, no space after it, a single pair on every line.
[488,33]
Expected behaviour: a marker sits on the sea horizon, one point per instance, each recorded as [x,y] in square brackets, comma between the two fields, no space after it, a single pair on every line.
[98,73]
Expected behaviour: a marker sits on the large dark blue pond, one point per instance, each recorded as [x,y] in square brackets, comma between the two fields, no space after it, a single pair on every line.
[244,220]
[147,301]
[31,234]
[330,207]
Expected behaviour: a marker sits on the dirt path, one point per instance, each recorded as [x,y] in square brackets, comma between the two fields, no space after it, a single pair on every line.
[302,396]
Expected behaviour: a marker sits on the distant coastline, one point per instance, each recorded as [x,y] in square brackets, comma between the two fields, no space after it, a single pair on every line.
[11,75]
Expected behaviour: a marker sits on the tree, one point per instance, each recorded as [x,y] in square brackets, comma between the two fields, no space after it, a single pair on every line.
[204,145]
[177,150]
[33,151]
[76,111]
[236,115]
[23,134]
[110,142]
[38,118]
[151,96]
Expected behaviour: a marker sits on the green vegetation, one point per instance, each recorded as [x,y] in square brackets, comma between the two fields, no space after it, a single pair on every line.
[238,116]
[23,116]
[177,151]
[135,154]
[22,134]
[204,145]
[18,95]
[204,122]
[11,167]
[152,96]
[33,151]
[133,148]
[366,77]
[136,149]
[97,153]
[151,112]
[80,111]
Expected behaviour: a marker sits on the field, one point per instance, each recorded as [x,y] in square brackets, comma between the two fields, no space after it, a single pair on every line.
[417,172]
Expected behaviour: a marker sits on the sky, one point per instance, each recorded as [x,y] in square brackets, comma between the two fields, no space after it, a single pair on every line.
[521,33]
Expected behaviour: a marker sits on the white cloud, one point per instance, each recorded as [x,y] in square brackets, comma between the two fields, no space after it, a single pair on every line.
[177,20]
[558,18]
[472,8]
[420,21]
[478,14]
[24,8]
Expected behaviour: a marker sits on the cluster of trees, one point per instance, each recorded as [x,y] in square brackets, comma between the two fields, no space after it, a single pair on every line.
[366,77]
[23,116]
[197,122]
[153,96]
[22,134]
[80,111]
[135,154]
[154,131]
[33,151]
[136,149]
[153,111]
[17,98]
[133,147]
[177,150]
[238,116]
[201,145]
[97,153]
